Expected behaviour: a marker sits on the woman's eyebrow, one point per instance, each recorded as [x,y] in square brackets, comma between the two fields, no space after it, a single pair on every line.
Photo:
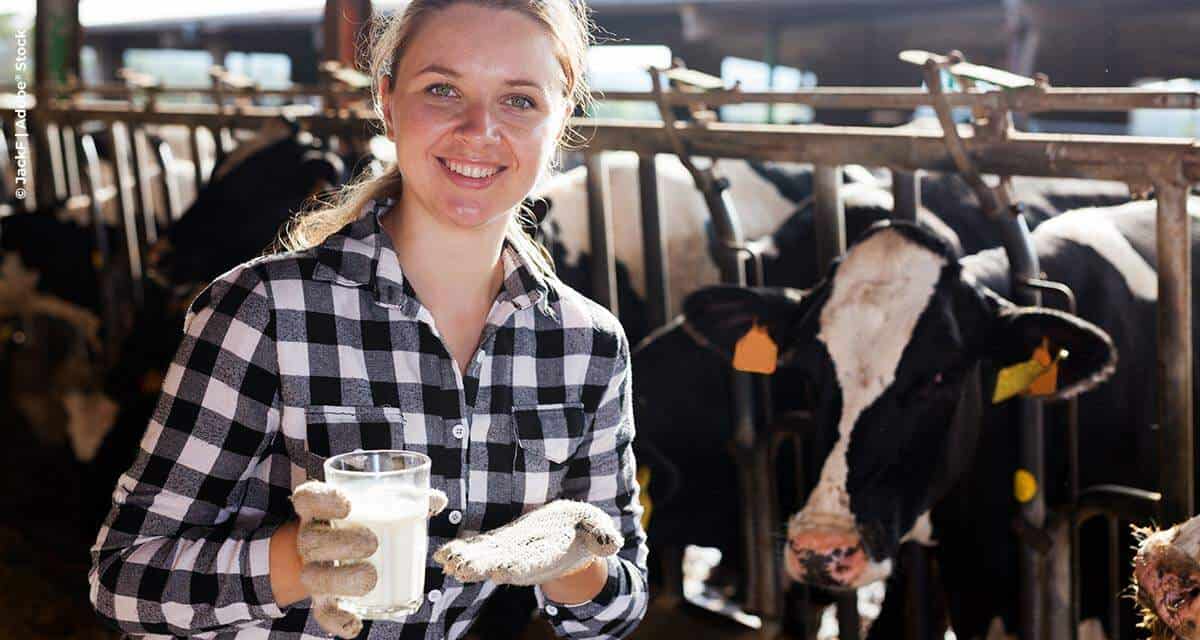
[514,82]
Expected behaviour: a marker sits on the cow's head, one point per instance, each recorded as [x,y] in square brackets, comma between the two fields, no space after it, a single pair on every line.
[890,341]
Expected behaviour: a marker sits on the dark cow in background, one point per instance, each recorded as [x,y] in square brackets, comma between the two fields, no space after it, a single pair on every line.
[50,327]
[948,196]
[902,337]
[764,195]
[235,217]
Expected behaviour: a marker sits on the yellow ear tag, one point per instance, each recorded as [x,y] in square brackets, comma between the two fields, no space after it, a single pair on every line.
[1037,376]
[755,352]
[1025,486]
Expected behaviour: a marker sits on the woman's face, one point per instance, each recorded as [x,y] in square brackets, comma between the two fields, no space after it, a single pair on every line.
[475,111]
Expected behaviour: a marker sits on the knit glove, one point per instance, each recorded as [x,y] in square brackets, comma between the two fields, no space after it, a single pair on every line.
[551,541]
[320,543]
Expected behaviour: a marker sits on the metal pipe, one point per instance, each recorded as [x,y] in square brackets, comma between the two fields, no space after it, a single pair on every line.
[57,164]
[1029,100]
[101,253]
[129,210]
[829,215]
[1023,266]
[1040,154]
[1175,348]
[71,161]
[1073,489]
[604,266]
[654,243]
[194,150]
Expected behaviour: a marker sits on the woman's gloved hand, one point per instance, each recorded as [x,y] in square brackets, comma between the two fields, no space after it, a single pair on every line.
[320,543]
[551,541]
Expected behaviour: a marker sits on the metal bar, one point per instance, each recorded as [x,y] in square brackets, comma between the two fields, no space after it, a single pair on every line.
[1073,490]
[129,216]
[1028,100]
[53,133]
[101,253]
[165,159]
[148,232]
[654,244]
[906,194]
[1023,261]
[71,161]
[604,267]
[194,148]
[829,216]
[1038,154]
[1175,348]
[750,452]
[1051,155]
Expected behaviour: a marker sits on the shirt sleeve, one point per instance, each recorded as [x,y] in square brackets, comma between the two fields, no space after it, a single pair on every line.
[604,473]
[177,553]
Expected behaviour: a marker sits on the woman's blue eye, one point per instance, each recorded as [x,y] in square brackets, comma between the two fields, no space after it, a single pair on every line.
[441,90]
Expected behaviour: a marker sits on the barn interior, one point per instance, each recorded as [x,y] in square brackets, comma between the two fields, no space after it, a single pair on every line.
[116,117]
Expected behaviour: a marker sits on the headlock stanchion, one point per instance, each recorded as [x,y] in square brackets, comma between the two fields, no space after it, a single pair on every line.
[751,452]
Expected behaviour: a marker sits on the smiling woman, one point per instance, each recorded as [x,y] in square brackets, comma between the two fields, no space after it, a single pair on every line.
[415,308]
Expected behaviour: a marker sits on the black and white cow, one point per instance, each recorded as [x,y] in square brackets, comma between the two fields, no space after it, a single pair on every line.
[672,370]
[901,348]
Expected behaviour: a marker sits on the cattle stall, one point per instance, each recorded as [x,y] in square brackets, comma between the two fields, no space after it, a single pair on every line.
[1169,166]
[1170,169]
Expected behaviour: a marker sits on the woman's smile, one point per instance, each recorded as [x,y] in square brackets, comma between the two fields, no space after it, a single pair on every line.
[471,175]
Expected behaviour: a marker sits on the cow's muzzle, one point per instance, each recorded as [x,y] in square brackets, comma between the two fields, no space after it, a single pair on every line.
[830,558]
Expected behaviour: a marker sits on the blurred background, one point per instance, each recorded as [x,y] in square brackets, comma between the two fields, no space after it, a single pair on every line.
[62,364]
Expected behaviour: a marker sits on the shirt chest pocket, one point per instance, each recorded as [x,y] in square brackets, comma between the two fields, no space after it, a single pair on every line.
[547,436]
[330,430]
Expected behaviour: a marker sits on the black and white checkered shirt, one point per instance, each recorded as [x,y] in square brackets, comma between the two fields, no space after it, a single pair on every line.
[294,357]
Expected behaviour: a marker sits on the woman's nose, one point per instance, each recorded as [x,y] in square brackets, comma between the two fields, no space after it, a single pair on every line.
[478,124]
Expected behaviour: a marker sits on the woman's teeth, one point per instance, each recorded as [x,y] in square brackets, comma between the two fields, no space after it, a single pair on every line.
[470,171]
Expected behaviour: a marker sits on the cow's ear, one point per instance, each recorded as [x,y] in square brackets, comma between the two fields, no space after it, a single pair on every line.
[755,328]
[1049,354]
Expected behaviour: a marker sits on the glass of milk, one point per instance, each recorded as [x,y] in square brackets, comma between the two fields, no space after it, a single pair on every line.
[388,491]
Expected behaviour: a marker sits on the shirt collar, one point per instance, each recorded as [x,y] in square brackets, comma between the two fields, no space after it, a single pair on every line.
[361,254]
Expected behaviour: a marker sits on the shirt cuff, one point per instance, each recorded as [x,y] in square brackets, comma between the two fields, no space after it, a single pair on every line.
[256,572]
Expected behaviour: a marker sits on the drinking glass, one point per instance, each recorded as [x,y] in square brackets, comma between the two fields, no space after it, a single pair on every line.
[388,491]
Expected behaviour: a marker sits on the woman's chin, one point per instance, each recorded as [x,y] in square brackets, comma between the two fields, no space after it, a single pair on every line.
[470,215]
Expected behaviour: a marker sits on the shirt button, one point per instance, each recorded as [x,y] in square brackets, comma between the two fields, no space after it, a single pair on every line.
[459,431]
[551,610]
[434,595]
[455,517]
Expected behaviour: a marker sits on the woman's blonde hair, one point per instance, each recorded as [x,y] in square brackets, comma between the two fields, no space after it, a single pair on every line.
[567,21]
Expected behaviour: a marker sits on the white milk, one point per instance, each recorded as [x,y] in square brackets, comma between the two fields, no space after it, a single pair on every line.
[402,528]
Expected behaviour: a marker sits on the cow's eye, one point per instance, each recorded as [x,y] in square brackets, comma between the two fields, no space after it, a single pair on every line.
[924,388]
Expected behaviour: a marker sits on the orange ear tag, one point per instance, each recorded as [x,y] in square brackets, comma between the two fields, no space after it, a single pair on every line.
[1047,383]
[755,352]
